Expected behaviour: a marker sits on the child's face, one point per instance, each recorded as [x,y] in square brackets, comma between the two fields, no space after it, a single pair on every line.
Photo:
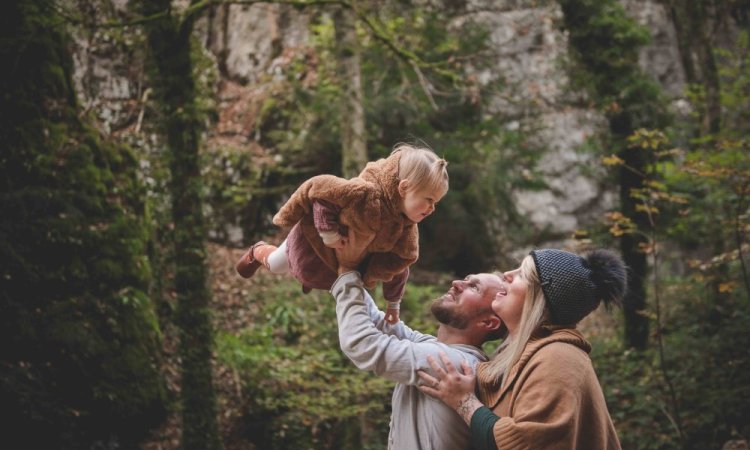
[417,205]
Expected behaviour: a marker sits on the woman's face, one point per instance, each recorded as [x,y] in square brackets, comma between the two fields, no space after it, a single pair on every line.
[509,300]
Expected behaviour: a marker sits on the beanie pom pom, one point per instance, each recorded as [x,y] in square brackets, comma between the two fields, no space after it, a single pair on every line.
[608,274]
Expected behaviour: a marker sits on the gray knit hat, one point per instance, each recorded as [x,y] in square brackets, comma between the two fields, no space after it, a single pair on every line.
[574,285]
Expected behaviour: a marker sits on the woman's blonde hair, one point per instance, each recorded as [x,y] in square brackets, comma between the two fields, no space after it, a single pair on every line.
[533,315]
[423,168]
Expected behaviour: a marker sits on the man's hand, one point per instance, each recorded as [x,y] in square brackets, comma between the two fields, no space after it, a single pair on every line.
[343,253]
[337,245]
[350,254]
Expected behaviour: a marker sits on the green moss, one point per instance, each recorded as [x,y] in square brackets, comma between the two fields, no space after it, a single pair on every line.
[81,364]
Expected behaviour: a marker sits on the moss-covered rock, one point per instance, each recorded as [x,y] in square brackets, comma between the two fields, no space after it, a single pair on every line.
[81,345]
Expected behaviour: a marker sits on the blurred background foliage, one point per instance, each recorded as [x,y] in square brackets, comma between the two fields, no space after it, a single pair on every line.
[88,298]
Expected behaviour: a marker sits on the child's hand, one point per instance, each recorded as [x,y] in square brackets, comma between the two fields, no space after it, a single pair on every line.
[341,243]
[392,313]
[333,239]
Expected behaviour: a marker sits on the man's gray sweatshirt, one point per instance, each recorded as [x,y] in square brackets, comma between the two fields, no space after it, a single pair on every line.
[396,352]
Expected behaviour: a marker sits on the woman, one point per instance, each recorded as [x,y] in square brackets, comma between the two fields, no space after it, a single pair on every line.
[540,390]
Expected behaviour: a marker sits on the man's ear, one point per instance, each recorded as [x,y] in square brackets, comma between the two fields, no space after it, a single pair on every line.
[403,186]
[491,323]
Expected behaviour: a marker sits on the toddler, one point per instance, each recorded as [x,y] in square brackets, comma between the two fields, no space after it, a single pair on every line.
[375,213]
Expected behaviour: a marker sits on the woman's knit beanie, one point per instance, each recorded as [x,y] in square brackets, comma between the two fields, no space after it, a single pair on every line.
[574,285]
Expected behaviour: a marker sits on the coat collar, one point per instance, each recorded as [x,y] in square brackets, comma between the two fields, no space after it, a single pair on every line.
[493,390]
[383,173]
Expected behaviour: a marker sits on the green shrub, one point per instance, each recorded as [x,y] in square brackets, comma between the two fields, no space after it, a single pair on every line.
[705,357]
[300,389]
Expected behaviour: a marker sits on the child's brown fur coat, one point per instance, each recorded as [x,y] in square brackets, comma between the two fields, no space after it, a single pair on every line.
[370,210]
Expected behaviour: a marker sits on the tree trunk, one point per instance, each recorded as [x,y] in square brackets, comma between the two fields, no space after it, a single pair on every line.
[682,33]
[692,20]
[596,27]
[352,118]
[169,42]
[631,180]
[702,23]
[634,303]
[352,129]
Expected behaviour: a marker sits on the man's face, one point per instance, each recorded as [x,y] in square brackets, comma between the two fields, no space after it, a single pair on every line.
[466,299]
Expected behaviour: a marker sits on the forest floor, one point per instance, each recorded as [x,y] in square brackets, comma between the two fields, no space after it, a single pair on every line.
[232,311]
[235,308]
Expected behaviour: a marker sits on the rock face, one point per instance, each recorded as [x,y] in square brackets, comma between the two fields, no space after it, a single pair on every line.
[531,55]
[661,58]
[250,44]
[248,38]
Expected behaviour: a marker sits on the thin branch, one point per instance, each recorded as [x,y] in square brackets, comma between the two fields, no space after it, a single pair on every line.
[633,170]
[144,99]
[198,6]
[407,55]
[670,418]
[677,422]
[426,88]
[72,18]
[660,339]
[190,12]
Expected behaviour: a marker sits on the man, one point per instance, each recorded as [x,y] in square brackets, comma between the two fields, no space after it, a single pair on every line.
[396,352]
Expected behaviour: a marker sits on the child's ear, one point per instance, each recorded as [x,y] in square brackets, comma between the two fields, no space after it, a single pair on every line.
[403,186]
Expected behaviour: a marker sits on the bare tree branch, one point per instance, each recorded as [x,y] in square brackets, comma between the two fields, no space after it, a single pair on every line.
[426,86]
[198,6]
[410,57]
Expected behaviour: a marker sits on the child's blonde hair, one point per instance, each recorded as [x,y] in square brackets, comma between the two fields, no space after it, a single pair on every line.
[423,168]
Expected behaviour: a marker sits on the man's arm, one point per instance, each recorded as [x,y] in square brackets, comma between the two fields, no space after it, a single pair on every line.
[400,330]
[396,357]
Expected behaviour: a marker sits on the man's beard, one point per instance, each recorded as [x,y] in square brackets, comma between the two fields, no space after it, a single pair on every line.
[448,315]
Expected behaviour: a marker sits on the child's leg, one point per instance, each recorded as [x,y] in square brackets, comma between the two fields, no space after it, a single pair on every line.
[253,258]
[274,259]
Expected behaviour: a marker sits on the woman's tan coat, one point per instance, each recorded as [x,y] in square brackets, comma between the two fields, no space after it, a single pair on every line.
[551,398]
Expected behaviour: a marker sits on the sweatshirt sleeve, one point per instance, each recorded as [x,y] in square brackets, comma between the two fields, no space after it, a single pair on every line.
[393,290]
[395,353]
[482,422]
[325,216]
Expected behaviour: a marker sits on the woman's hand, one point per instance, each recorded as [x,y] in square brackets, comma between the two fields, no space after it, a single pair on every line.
[454,388]
[448,385]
